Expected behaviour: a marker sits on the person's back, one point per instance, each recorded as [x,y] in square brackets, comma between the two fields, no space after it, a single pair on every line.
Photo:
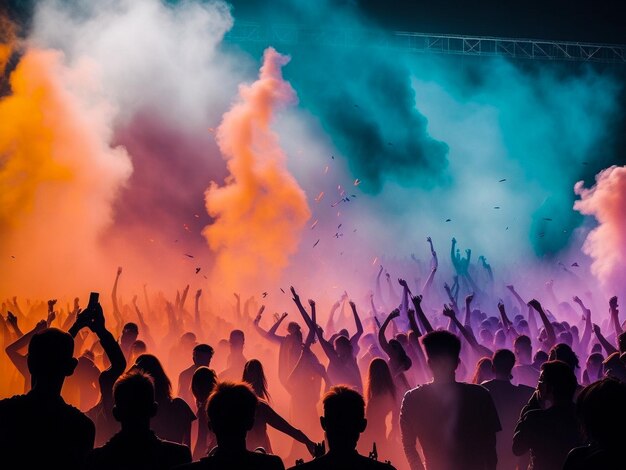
[39,430]
[601,409]
[549,434]
[343,421]
[136,447]
[231,408]
[455,422]
[509,400]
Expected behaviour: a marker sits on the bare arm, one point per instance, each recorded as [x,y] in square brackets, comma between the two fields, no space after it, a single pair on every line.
[551,335]
[354,340]
[479,349]
[13,350]
[281,424]
[417,303]
[384,344]
[586,337]
[608,347]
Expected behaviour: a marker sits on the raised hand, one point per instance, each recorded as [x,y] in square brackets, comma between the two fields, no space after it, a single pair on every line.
[417,300]
[312,303]
[296,297]
[501,306]
[447,311]
[11,319]
[613,303]
[41,325]
[596,330]
[352,305]
[534,303]
[51,304]
[403,283]
[198,293]
[469,298]
[135,300]
[119,270]
[394,314]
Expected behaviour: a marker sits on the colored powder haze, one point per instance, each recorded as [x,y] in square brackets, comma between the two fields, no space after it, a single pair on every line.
[382,149]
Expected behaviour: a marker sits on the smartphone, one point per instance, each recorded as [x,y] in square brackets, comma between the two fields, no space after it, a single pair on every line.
[93,298]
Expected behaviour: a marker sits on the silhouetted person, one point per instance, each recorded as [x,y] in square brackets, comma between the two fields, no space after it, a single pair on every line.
[174,416]
[602,411]
[201,356]
[265,415]
[136,447]
[383,402]
[343,422]
[231,409]
[130,332]
[202,384]
[39,430]
[456,423]
[509,400]
[236,360]
[524,373]
[548,426]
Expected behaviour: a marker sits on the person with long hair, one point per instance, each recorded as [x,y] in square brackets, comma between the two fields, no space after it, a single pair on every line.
[172,421]
[382,402]
[254,375]
[483,371]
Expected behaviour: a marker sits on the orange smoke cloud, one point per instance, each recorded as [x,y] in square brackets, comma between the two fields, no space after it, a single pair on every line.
[606,243]
[260,211]
[58,174]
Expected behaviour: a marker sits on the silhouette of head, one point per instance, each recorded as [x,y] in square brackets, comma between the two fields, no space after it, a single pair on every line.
[133,394]
[343,346]
[149,364]
[399,355]
[202,383]
[503,361]
[294,329]
[344,417]
[50,356]
[539,358]
[614,367]
[231,410]
[188,340]
[557,382]
[254,375]
[523,349]
[236,341]
[562,352]
[202,355]
[130,331]
[442,349]
[379,380]
[600,407]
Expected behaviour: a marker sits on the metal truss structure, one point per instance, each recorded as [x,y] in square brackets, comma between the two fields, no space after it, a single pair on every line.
[477,46]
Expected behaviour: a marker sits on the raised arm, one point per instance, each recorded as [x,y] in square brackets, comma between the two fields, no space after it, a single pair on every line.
[13,350]
[384,344]
[479,349]
[271,333]
[330,324]
[586,337]
[551,335]
[354,340]
[608,347]
[117,314]
[13,323]
[468,309]
[417,303]
[145,329]
[196,312]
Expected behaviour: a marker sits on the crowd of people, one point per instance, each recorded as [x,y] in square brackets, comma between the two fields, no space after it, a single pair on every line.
[424,377]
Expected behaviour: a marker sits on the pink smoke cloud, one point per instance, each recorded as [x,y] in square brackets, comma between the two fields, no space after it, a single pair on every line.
[606,244]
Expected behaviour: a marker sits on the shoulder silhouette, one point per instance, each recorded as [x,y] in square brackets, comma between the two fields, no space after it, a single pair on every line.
[136,446]
[343,422]
[231,408]
[39,430]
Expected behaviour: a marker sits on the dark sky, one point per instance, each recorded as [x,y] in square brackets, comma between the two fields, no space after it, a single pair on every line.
[588,20]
